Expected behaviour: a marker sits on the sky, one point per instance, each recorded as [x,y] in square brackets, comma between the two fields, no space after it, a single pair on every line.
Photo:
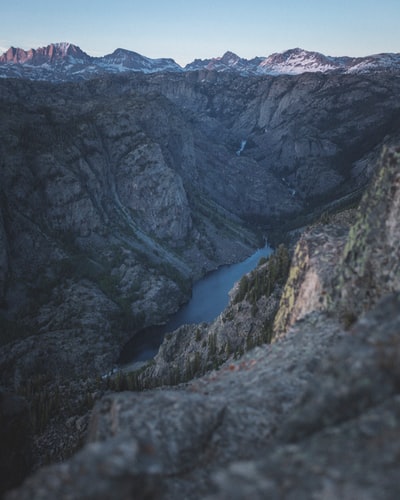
[190,29]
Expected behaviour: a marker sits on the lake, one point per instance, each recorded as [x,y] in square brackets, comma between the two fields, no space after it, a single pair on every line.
[210,296]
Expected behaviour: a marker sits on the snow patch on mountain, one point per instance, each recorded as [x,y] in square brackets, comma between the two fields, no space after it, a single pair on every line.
[297,61]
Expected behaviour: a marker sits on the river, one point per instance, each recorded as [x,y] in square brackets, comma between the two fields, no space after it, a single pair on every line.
[210,296]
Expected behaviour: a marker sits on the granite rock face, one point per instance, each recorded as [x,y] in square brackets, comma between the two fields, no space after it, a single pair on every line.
[362,248]
[98,228]
[370,263]
[311,278]
[309,138]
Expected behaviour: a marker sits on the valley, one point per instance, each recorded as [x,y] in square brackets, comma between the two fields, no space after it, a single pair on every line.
[129,188]
[209,298]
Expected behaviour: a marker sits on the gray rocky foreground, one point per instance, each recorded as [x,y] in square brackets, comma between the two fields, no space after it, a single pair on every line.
[314,415]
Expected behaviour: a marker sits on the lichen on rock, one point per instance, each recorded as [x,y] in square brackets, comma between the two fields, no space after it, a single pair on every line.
[310,278]
[370,265]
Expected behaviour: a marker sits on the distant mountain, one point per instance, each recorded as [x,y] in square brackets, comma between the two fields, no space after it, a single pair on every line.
[52,54]
[67,62]
[296,61]
[228,62]
[125,60]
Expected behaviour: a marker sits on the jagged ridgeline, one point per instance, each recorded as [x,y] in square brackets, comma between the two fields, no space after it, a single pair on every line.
[118,192]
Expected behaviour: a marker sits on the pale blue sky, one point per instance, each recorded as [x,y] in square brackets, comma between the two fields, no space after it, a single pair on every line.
[185,30]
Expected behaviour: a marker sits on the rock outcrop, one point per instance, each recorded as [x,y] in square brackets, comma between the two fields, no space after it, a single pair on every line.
[310,281]
[313,415]
[339,440]
[370,264]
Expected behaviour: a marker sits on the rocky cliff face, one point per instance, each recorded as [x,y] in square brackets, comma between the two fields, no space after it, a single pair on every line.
[370,261]
[97,216]
[312,415]
[309,138]
[311,280]
[365,256]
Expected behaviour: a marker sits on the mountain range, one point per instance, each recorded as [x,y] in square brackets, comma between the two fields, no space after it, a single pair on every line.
[67,62]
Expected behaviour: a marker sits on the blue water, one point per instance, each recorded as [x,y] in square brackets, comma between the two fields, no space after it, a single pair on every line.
[210,296]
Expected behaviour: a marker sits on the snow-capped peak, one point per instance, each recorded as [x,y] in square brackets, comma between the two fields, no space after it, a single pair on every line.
[64,61]
[296,61]
[62,47]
